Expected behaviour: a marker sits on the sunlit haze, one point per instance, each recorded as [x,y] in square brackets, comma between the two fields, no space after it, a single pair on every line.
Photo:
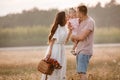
[16,6]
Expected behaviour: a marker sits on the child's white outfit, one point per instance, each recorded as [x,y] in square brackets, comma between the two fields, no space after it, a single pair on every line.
[75,23]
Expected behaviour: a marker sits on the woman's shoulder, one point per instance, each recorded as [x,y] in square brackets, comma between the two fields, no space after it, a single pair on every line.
[62,28]
[90,19]
[59,26]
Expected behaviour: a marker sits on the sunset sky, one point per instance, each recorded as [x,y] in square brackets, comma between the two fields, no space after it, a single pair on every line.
[15,6]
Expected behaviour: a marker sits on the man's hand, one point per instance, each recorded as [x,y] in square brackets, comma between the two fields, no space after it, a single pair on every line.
[73,38]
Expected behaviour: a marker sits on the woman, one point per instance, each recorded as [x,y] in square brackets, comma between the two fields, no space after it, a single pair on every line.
[56,49]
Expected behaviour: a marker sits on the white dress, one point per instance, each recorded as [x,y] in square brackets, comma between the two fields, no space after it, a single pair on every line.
[58,53]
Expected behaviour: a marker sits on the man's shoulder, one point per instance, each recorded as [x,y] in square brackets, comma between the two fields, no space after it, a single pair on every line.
[91,20]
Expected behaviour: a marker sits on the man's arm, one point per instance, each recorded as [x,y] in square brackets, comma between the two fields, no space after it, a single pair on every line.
[82,36]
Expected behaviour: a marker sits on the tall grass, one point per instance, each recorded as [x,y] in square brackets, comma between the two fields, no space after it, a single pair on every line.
[107,35]
[37,35]
[21,36]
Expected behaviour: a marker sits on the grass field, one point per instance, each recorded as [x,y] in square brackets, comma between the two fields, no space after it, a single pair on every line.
[24,36]
[22,64]
[37,35]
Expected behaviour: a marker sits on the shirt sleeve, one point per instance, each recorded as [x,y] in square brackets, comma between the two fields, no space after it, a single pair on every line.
[89,26]
[56,35]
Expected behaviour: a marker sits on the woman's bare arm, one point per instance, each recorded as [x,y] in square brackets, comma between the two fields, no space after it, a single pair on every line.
[70,31]
[68,36]
[50,50]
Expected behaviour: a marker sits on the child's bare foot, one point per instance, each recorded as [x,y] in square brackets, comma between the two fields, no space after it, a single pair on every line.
[73,52]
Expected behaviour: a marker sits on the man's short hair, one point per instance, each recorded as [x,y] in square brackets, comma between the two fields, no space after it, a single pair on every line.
[83,9]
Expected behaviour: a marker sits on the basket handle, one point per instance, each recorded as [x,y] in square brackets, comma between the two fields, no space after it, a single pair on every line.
[46,77]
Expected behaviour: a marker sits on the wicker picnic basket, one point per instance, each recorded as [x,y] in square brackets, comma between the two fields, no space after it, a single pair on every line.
[45,67]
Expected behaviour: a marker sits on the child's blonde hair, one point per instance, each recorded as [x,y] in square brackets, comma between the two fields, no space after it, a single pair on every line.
[71,10]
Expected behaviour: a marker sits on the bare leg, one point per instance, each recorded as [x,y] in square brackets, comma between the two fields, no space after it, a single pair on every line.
[73,49]
[75,45]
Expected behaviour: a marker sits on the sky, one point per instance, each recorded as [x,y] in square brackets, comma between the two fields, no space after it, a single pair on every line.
[17,6]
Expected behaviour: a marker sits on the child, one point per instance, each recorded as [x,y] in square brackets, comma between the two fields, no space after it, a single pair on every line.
[74,21]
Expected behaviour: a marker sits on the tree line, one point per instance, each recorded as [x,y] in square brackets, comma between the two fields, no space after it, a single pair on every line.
[108,16]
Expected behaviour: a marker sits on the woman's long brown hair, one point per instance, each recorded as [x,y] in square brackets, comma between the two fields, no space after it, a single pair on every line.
[59,20]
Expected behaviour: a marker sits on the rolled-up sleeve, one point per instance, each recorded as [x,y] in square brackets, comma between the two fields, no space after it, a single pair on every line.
[89,26]
[56,35]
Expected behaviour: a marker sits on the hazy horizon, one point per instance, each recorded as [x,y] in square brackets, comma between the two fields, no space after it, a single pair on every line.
[17,6]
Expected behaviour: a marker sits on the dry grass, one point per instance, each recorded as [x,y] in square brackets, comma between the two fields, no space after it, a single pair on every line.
[21,64]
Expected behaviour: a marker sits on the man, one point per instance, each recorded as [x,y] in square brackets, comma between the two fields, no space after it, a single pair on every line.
[85,34]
